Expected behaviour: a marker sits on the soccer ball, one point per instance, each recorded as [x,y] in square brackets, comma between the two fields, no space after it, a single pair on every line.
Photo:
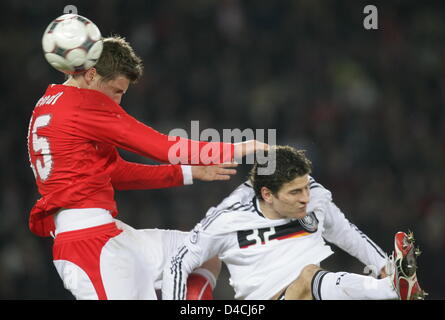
[72,43]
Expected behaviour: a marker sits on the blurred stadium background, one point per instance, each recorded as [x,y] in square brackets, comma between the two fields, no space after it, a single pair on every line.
[367,105]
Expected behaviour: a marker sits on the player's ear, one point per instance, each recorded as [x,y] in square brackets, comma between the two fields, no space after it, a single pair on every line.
[266,193]
[90,75]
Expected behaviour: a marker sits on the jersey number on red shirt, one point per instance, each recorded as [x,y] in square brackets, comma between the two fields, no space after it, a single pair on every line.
[43,162]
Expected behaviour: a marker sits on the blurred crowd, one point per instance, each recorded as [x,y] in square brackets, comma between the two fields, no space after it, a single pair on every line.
[367,105]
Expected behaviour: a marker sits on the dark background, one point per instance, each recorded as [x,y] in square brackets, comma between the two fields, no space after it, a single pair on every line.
[367,105]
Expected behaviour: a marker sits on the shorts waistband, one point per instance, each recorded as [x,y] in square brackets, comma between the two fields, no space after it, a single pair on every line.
[76,219]
[88,232]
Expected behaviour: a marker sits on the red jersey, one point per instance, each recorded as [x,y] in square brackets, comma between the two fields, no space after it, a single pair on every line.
[72,140]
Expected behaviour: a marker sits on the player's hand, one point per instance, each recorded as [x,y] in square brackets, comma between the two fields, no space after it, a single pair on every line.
[214,172]
[244,148]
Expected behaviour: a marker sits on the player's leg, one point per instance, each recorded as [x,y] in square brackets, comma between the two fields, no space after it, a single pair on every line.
[401,284]
[100,260]
[76,280]
[76,256]
[125,271]
[350,286]
[318,284]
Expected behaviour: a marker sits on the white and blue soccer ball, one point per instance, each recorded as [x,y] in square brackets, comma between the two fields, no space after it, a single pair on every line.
[72,43]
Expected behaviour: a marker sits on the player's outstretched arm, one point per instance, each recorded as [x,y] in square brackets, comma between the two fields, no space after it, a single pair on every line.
[127,175]
[345,235]
[242,149]
[135,176]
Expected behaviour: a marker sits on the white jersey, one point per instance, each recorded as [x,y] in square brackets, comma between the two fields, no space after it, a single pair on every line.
[263,255]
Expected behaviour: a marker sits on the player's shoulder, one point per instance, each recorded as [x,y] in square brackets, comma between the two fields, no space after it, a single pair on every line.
[318,192]
[239,199]
[98,101]
[232,211]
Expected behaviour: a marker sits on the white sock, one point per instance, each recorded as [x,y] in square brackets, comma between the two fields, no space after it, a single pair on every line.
[350,286]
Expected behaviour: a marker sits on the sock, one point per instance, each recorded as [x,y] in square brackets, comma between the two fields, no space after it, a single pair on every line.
[200,284]
[350,286]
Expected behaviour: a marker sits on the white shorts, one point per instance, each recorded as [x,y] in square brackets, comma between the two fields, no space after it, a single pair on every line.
[113,260]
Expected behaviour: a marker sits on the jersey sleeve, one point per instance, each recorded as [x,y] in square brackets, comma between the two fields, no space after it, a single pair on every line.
[134,176]
[199,247]
[339,231]
[111,124]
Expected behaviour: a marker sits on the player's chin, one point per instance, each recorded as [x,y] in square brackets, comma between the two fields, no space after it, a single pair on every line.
[300,214]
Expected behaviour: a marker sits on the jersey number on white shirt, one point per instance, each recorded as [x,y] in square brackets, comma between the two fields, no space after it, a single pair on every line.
[264,237]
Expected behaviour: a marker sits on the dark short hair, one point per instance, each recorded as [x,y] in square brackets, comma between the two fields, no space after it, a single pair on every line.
[119,59]
[290,163]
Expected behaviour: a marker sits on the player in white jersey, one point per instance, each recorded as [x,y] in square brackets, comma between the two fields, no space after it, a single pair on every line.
[271,232]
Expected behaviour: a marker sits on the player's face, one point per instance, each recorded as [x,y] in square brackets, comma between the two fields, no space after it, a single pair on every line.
[292,199]
[115,88]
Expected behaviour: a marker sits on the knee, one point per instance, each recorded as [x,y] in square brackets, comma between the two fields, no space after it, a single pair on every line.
[301,287]
[306,275]
[309,271]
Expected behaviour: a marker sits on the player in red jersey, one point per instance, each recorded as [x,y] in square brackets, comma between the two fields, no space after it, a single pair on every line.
[74,133]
